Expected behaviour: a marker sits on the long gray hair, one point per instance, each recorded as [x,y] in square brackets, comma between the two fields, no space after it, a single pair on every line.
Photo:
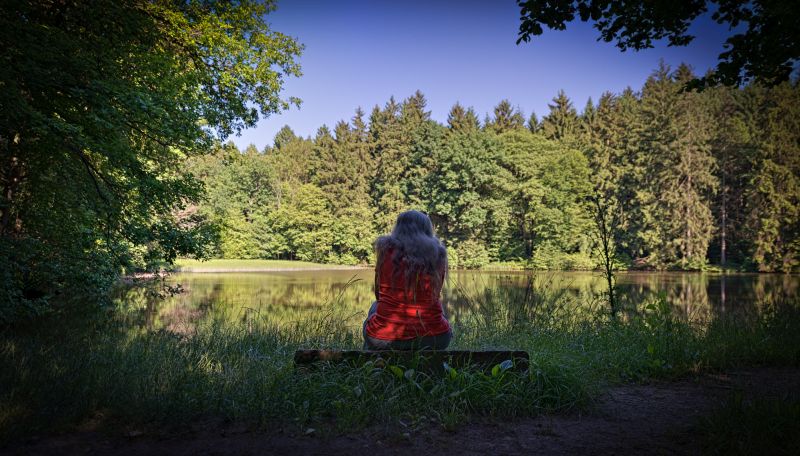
[415,243]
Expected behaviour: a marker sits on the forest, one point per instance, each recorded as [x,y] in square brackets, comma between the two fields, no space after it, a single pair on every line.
[116,162]
[691,180]
[116,169]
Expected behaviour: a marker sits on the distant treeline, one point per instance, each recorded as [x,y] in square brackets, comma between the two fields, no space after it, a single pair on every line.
[691,179]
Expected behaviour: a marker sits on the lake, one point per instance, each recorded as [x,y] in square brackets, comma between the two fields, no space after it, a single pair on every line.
[184,299]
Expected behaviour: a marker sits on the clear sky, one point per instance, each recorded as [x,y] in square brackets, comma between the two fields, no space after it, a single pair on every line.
[359,53]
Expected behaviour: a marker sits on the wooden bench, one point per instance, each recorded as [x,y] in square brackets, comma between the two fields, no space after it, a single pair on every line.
[424,360]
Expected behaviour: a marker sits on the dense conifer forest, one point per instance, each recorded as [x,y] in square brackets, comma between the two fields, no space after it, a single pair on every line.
[690,180]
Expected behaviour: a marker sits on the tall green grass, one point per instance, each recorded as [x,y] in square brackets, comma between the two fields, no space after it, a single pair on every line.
[756,426]
[57,374]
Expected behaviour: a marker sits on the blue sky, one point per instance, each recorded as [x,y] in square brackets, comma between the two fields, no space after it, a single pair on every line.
[359,53]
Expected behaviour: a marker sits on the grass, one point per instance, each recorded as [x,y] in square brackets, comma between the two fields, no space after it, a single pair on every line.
[57,374]
[756,426]
[504,266]
[221,265]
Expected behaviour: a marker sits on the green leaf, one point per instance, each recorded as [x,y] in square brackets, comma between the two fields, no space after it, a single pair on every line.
[396,370]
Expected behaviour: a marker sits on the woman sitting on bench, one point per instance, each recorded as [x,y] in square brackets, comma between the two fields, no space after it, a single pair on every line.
[410,271]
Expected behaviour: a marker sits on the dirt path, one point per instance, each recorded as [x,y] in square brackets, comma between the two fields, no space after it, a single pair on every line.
[659,418]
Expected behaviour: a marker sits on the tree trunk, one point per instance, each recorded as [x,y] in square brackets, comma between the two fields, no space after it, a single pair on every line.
[688,246]
[723,234]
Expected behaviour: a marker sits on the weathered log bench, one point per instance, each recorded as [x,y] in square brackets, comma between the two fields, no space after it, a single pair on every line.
[423,360]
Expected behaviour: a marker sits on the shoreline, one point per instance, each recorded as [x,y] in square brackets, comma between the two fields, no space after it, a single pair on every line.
[267,269]
[221,270]
[223,266]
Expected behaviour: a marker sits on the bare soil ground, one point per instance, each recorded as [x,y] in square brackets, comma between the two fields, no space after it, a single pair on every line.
[657,418]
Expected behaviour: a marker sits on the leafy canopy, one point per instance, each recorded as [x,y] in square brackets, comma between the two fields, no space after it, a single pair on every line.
[765,51]
[102,102]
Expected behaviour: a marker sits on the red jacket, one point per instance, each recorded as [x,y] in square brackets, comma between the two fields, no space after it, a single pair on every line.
[403,314]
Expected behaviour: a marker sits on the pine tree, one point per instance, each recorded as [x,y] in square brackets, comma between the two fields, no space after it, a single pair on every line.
[587,125]
[678,179]
[621,128]
[562,121]
[284,136]
[461,119]
[332,173]
[773,196]
[363,163]
[412,110]
[734,148]
[695,169]
[600,142]
[386,133]
[533,124]
[506,118]
[348,194]
[421,138]
[294,164]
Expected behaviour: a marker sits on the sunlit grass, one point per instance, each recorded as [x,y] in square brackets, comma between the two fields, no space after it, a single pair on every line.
[222,265]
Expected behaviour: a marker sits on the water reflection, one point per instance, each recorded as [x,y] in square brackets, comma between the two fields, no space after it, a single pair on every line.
[292,296]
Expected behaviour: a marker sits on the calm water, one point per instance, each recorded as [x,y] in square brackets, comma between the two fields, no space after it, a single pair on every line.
[290,296]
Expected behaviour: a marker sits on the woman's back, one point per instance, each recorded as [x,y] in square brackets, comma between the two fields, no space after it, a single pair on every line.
[408,305]
[409,274]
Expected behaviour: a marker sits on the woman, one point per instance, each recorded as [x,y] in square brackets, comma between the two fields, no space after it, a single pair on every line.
[410,271]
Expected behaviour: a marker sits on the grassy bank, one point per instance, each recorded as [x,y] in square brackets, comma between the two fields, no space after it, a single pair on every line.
[758,426]
[221,265]
[56,375]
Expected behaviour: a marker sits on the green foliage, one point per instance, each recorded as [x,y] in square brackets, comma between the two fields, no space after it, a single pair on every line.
[757,425]
[764,50]
[774,192]
[461,119]
[506,118]
[678,181]
[385,133]
[471,254]
[133,162]
[103,101]
[284,136]
[547,185]
[677,171]
[463,187]
[562,121]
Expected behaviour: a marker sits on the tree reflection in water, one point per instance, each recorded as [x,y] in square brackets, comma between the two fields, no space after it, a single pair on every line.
[286,297]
